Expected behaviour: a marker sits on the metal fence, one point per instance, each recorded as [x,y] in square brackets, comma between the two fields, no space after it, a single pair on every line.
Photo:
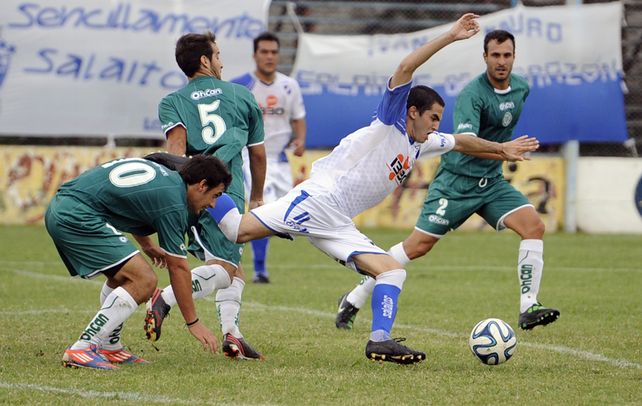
[386,17]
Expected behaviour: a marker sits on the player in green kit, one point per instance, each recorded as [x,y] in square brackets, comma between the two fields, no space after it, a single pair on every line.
[488,107]
[85,219]
[214,117]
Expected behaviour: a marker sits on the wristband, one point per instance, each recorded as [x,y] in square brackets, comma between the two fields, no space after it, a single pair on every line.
[190,324]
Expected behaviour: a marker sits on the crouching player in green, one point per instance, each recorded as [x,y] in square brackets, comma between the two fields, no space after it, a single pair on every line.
[85,219]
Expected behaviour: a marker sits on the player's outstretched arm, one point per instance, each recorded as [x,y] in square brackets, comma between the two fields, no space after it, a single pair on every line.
[509,151]
[516,149]
[181,280]
[464,28]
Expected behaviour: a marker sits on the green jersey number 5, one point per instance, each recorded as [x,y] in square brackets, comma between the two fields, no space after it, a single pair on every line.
[206,112]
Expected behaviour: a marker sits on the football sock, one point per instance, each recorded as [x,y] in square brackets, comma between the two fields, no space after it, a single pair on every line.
[113,343]
[259,252]
[529,271]
[358,296]
[205,279]
[399,254]
[104,292]
[384,303]
[228,306]
[227,216]
[117,308]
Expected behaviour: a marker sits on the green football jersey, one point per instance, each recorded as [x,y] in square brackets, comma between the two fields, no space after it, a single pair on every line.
[220,118]
[490,114]
[136,196]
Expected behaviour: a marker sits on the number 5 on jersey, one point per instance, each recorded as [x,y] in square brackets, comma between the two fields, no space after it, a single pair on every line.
[206,113]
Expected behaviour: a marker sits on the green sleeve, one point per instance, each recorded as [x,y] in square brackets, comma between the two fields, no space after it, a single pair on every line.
[255,127]
[168,115]
[171,232]
[467,115]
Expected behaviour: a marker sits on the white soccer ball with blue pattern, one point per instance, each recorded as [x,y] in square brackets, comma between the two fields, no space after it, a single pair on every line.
[492,341]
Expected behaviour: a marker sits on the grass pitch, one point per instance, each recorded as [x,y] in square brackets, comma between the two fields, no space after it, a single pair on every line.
[591,355]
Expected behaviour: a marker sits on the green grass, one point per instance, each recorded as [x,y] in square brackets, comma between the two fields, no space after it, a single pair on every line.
[591,355]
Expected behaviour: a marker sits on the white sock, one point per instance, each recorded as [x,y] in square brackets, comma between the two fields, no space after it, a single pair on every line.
[117,308]
[104,292]
[360,294]
[205,280]
[228,306]
[529,271]
[399,254]
[113,342]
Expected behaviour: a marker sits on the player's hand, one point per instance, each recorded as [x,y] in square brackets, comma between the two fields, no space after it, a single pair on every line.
[298,147]
[156,254]
[516,149]
[205,336]
[465,27]
[253,204]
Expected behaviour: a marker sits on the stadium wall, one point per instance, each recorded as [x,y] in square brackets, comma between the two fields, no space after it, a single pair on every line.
[609,195]
[31,176]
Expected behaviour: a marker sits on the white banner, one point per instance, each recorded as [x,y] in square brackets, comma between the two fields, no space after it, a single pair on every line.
[609,195]
[94,68]
[570,55]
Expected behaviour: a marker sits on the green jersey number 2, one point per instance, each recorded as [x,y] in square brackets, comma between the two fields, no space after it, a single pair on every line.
[206,112]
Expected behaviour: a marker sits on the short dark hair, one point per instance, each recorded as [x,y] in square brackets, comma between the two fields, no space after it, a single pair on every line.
[423,97]
[208,168]
[500,36]
[265,36]
[189,49]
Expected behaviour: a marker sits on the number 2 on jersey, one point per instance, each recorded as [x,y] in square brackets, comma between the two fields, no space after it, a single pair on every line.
[443,203]
[206,113]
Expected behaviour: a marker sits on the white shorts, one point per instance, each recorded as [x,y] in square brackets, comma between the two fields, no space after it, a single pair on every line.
[314,216]
[278,180]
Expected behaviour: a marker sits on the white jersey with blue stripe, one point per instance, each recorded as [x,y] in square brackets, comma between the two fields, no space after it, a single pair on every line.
[281,102]
[370,163]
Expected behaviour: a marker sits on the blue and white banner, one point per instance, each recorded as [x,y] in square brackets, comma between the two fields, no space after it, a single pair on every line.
[570,55]
[100,67]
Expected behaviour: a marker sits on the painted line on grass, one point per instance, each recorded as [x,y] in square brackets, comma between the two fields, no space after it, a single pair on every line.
[586,355]
[93,394]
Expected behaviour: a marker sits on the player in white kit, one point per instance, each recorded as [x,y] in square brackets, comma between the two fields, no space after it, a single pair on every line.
[359,173]
[279,97]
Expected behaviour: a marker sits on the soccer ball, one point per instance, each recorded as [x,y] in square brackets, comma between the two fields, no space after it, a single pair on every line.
[492,341]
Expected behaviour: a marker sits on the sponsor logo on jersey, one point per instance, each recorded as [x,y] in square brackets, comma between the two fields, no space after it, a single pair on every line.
[199,94]
[399,168]
[508,118]
[270,108]
[506,105]
[464,126]
[433,218]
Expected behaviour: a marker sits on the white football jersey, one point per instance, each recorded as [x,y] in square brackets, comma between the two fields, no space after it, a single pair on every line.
[281,102]
[371,162]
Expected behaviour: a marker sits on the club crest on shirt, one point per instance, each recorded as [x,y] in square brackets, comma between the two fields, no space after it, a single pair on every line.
[508,118]
[399,168]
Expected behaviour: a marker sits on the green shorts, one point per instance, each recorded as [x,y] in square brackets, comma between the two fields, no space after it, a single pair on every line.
[87,243]
[210,242]
[453,198]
